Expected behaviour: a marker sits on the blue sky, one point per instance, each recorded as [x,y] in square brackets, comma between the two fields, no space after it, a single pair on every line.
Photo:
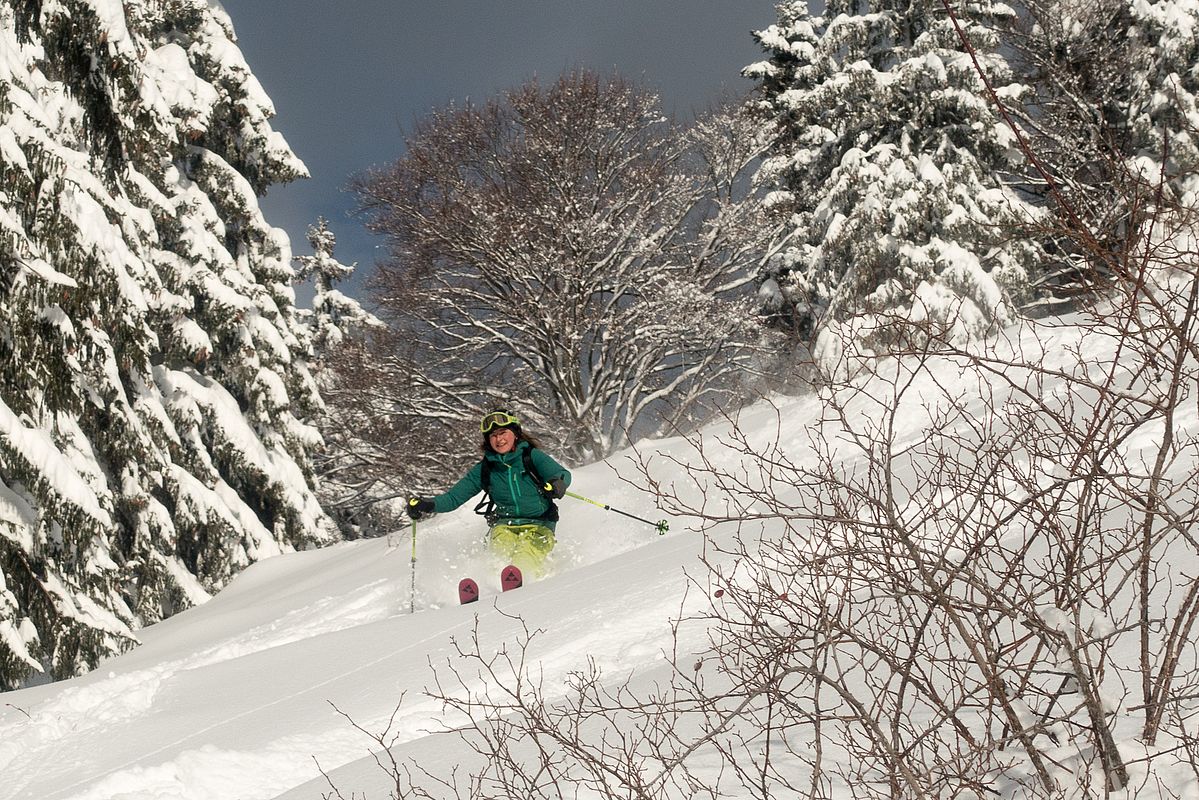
[348,77]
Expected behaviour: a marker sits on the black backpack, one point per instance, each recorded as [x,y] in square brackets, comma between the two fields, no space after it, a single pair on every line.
[486,506]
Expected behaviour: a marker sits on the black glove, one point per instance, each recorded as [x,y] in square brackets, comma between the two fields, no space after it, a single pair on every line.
[419,507]
[555,488]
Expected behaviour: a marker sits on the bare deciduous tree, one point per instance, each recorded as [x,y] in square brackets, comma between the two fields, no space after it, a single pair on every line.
[570,246]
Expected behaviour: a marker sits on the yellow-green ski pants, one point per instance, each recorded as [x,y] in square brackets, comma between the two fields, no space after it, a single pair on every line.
[525,546]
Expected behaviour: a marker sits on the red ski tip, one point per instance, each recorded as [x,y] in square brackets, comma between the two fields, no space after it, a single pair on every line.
[468,591]
[510,578]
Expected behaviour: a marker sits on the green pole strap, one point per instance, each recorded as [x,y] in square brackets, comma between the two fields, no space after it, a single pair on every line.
[661,525]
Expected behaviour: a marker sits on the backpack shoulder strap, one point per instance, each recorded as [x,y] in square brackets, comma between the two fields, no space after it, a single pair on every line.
[485,474]
[551,512]
[527,457]
[486,506]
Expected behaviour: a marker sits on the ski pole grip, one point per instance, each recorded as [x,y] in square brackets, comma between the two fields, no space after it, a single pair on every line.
[588,500]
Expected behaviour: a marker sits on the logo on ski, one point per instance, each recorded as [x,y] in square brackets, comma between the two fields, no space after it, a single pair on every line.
[468,591]
[510,578]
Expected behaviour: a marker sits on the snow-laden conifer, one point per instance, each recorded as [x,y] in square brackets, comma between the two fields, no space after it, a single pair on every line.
[1165,80]
[890,164]
[355,460]
[335,315]
[1112,122]
[154,418]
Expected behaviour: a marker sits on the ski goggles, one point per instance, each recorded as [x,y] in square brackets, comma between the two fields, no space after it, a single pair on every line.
[497,419]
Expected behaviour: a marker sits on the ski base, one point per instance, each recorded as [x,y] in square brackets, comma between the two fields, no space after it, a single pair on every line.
[510,578]
[468,591]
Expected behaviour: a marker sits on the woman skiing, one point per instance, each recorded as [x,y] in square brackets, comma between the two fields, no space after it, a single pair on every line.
[521,482]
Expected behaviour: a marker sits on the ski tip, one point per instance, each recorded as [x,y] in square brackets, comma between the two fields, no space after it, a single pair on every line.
[510,577]
[468,591]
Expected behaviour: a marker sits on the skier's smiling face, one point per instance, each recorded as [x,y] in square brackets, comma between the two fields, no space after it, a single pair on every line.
[502,440]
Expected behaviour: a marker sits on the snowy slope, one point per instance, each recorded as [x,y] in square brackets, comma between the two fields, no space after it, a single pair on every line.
[239,698]
[232,699]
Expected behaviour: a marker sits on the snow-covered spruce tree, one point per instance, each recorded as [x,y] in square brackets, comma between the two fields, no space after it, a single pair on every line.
[1164,110]
[562,244]
[890,162]
[353,462]
[335,317]
[153,433]
[1111,119]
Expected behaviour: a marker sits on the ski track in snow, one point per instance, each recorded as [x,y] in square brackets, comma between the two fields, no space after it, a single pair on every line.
[122,697]
[258,709]
[196,765]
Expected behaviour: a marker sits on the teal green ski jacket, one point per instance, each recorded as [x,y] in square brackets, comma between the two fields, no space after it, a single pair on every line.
[517,497]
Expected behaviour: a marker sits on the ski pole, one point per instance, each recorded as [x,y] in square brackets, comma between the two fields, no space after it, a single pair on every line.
[412,590]
[661,525]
